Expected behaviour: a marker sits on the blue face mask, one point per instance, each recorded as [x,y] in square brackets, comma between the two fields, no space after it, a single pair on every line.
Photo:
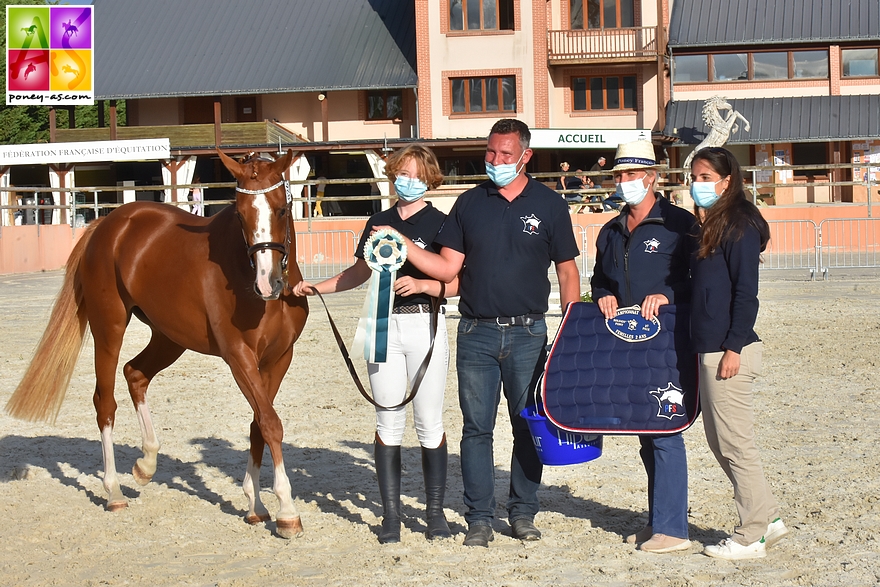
[502,175]
[703,193]
[410,189]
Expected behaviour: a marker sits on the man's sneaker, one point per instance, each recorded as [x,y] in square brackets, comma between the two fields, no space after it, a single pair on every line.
[731,550]
[776,531]
[661,544]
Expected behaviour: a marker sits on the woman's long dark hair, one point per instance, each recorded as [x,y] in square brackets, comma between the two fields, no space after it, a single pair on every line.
[728,218]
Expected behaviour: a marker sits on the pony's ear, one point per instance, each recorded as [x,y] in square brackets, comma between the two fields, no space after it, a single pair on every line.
[283,163]
[235,168]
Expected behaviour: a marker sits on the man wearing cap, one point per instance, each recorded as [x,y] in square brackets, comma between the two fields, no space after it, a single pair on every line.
[642,257]
[501,237]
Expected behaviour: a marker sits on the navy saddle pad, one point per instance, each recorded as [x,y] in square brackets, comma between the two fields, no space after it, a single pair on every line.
[598,383]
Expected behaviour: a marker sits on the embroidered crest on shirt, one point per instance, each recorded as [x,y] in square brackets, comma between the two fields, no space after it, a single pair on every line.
[420,243]
[671,401]
[651,246]
[530,224]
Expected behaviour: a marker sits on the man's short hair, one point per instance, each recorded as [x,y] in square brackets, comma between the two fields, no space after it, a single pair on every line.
[601,159]
[507,126]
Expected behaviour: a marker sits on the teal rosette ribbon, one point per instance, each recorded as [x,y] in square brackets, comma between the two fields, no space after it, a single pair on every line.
[385,254]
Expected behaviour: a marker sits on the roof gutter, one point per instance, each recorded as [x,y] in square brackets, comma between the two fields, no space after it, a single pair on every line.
[416,132]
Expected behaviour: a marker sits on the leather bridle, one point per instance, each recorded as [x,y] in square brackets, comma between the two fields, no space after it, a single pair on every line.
[283,248]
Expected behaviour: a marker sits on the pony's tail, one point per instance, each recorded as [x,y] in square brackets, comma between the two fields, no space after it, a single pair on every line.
[39,395]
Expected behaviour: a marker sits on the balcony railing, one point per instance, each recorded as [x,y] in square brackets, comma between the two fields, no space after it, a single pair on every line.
[592,45]
[189,135]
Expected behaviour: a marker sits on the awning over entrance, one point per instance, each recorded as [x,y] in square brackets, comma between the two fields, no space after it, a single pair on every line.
[784,120]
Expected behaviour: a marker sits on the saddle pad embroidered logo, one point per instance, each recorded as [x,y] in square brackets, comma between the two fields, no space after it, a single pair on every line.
[629,325]
[671,401]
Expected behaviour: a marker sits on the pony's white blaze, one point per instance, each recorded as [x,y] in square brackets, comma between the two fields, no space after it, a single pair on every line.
[262,234]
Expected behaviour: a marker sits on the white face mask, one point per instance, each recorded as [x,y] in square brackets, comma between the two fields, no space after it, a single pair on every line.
[632,192]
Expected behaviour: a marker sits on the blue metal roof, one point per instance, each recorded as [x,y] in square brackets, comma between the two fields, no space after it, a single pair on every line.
[163,48]
[713,23]
[783,120]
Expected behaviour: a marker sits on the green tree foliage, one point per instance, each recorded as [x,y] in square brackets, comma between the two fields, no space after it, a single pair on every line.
[30,124]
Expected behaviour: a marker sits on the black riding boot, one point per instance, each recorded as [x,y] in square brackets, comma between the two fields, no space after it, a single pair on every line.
[388,473]
[434,461]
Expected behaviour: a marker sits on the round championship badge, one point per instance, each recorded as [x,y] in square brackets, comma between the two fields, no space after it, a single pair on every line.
[385,250]
[629,325]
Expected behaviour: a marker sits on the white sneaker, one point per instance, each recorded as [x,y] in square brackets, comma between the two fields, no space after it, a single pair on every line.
[776,531]
[731,550]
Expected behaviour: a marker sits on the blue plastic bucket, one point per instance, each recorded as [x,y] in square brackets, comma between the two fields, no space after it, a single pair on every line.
[561,447]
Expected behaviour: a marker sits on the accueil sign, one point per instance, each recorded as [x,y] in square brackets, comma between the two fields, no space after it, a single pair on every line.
[576,138]
[43,153]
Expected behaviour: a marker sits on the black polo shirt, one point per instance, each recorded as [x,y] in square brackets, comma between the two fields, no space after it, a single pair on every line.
[508,248]
[421,228]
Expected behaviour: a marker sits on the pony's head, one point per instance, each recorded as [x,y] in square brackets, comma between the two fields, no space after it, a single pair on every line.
[264,212]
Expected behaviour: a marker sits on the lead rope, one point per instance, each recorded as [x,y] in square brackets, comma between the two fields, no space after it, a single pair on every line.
[423,368]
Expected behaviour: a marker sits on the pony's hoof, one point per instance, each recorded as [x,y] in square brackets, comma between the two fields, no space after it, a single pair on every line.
[115,506]
[289,528]
[139,476]
[254,519]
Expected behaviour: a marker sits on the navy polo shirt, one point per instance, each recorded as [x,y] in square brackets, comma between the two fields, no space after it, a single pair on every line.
[421,228]
[508,248]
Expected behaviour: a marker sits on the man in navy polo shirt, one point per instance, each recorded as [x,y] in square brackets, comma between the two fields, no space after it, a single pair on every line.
[501,238]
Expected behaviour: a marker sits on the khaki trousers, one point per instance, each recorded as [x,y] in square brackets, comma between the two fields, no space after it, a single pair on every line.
[728,418]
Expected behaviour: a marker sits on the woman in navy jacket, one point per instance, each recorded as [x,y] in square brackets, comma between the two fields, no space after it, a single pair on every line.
[724,306]
[642,257]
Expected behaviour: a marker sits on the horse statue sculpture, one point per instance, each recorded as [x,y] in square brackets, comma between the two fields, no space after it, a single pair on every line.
[218,286]
[720,126]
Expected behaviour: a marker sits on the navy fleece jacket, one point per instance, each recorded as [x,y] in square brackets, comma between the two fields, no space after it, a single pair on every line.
[724,302]
[653,259]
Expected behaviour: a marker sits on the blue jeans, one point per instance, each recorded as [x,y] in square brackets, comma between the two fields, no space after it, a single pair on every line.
[491,358]
[665,462]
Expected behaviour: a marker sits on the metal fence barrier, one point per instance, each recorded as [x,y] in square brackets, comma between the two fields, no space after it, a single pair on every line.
[794,244]
[849,243]
[323,254]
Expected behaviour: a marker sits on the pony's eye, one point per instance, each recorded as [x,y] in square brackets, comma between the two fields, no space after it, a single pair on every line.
[282,212]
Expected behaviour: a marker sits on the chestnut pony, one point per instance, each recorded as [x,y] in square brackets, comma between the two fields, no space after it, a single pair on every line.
[217,286]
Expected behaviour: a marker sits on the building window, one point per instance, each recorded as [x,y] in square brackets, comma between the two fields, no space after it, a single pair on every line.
[730,66]
[770,65]
[859,62]
[758,66]
[483,94]
[385,105]
[604,93]
[476,15]
[602,14]
[811,64]
[691,68]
